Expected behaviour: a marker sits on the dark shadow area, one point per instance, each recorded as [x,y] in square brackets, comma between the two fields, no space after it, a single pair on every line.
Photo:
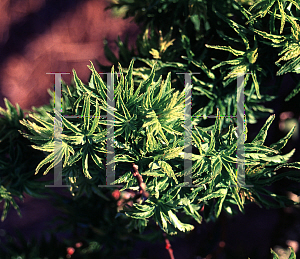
[34,24]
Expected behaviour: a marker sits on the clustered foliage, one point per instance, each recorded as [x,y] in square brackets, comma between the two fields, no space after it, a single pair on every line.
[149,116]
[149,131]
[180,36]
[16,164]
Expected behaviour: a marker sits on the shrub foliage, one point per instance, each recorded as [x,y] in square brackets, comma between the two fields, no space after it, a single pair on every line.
[259,40]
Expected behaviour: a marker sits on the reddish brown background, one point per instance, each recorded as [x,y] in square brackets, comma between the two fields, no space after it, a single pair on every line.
[43,36]
[40,36]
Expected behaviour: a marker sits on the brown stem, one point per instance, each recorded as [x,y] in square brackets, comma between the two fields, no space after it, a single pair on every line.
[140,181]
[127,197]
[145,194]
[168,246]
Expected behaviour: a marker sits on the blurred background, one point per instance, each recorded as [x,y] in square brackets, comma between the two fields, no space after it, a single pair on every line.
[43,36]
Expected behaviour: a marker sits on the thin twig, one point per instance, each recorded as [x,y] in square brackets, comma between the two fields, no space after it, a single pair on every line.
[168,246]
[128,196]
[145,194]
[139,178]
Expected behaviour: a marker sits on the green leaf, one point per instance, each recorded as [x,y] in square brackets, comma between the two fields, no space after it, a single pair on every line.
[292,255]
[96,159]
[231,170]
[219,204]
[275,256]
[254,148]
[85,166]
[70,126]
[216,194]
[172,193]
[8,200]
[47,160]
[149,81]
[164,224]
[163,183]
[191,210]
[204,136]
[124,158]
[227,48]
[261,136]
[276,39]
[237,198]
[86,112]
[43,122]
[58,154]
[201,65]
[100,86]
[237,27]
[256,84]
[295,91]
[154,174]
[153,166]
[79,85]
[216,164]
[289,165]
[282,142]
[273,159]
[217,128]
[9,109]
[37,130]
[35,139]
[95,120]
[141,215]
[167,169]
[265,7]
[124,178]
[178,224]
[282,16]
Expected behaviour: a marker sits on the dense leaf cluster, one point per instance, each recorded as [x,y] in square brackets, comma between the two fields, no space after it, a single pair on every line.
[18,160]
[149,131]
[251,39]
